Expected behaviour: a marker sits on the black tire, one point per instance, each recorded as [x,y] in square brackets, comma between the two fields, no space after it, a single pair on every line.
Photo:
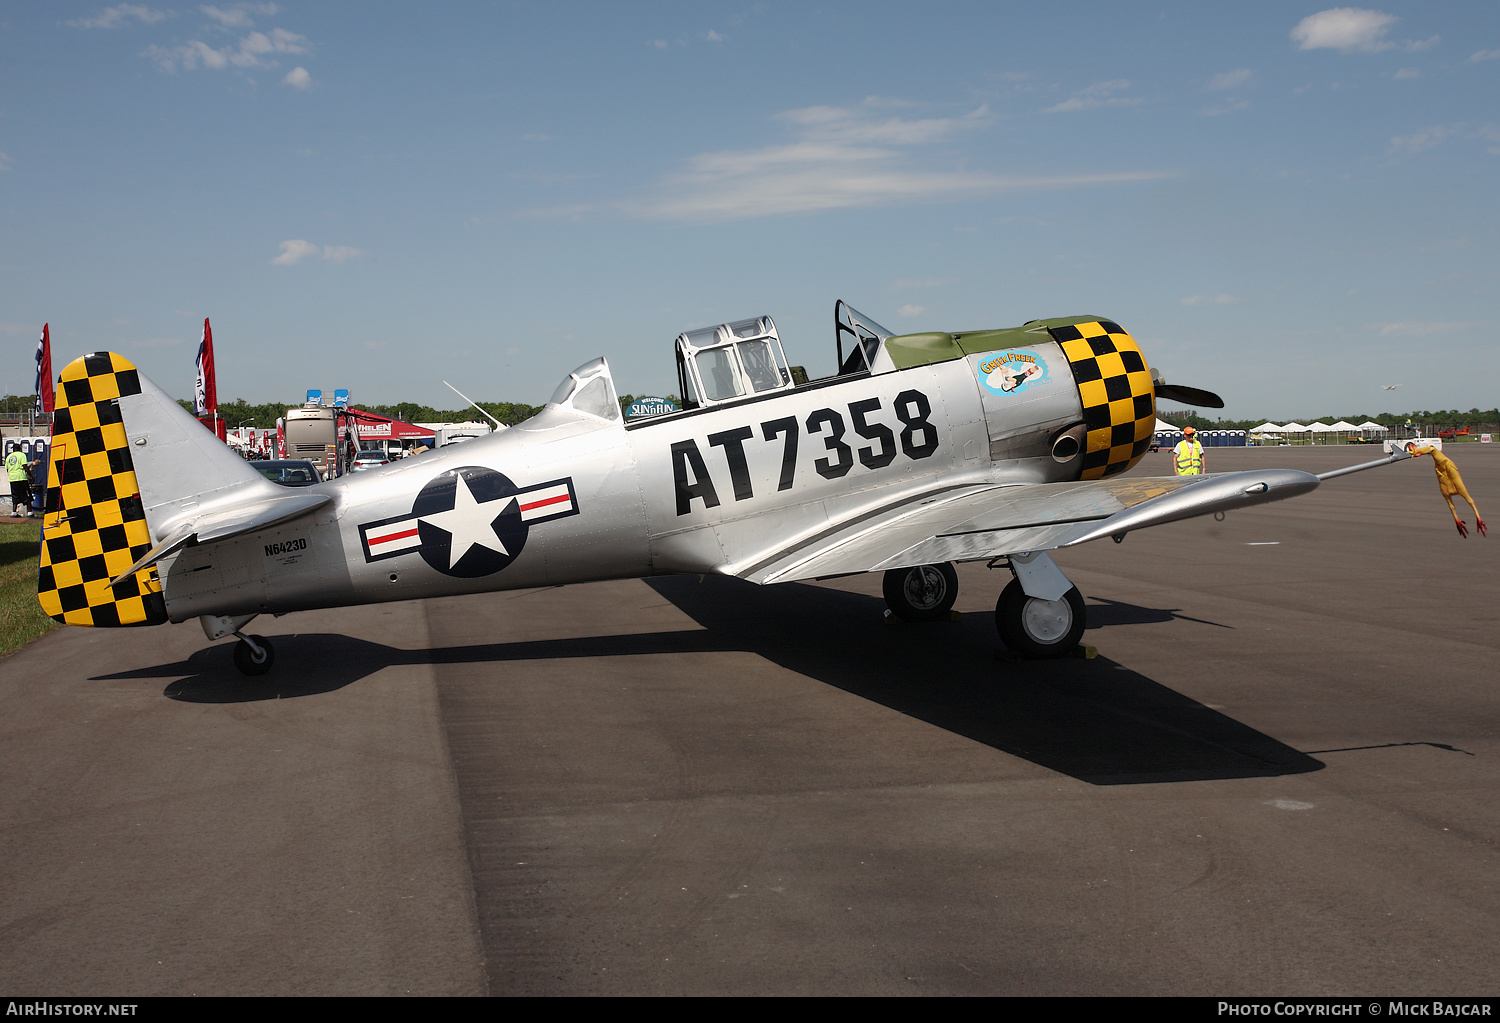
[244,657]
[922,594]
[1037,628]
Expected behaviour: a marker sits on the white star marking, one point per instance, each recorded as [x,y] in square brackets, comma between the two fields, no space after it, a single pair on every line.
[468,522]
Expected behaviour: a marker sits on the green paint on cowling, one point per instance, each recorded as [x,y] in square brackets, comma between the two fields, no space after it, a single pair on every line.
[908,350]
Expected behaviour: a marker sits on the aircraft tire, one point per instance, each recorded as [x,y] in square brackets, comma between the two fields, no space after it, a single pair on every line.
[244,657]
[922,594]
[1040,629]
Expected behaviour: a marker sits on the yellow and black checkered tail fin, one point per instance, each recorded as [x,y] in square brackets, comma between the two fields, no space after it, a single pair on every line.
[95,525]
[1115,386]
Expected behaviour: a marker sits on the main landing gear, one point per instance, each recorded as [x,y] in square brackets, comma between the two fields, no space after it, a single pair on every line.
[1038,628]
[1040,614]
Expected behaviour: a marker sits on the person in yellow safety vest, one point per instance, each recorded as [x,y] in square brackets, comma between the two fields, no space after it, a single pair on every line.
[17,467]
[1187,457]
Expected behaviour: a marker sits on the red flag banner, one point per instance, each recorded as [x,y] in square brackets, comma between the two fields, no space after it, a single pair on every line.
[44,374]
[205,391]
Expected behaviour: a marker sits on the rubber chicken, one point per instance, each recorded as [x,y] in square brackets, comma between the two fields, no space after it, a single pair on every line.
[1450,483]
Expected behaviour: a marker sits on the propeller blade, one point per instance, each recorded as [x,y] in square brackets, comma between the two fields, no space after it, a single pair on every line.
[1189,395]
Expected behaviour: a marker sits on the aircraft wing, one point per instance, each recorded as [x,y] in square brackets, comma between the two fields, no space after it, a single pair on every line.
[977,522]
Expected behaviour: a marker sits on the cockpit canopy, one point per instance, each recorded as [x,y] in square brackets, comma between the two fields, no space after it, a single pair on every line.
[589,389]
[732,360]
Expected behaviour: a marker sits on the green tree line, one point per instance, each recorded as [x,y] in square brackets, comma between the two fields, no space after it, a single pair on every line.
[241,413]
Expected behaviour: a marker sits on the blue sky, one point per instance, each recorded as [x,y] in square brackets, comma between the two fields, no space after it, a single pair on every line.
[1290,204]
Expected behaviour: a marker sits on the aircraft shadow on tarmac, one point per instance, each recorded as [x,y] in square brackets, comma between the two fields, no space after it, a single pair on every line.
[1094,720]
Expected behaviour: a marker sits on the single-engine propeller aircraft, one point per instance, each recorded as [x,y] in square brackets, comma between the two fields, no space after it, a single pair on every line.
[920,451]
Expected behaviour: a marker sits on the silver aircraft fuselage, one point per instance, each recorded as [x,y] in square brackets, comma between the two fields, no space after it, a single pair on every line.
[568,496]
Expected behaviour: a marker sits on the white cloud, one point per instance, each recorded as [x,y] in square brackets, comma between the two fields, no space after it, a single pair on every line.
[114,17]
[5,162]
[295,250]
[1225,108]
[298,78]
[1344,28]
[1419,328]
[1212,300]
[1420,140]
[714,37]
[340,253]
[1485,55]
[238,15]
[254,50]
[911,310]
[1100,94]
[1407,72]
[842,158]
[1231,79]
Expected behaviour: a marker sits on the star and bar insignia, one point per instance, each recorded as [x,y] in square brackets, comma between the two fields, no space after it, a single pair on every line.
[469,522]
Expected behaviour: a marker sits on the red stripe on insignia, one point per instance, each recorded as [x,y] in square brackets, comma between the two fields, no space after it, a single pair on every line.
[393,536]
[560,499]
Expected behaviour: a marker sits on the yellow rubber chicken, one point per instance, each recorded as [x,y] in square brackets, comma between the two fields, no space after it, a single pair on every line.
[1450,483]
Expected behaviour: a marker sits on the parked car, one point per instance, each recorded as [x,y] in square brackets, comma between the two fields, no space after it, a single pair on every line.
[369,458]
[288,472]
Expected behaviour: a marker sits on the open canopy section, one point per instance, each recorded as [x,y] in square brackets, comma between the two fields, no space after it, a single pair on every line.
[861,338]
[731,361]
[589,389]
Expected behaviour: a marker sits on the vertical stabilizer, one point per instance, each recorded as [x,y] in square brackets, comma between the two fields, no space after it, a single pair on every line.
[182,467]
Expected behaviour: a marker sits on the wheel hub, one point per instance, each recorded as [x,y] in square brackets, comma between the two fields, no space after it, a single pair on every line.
[924,587]
[1046,621]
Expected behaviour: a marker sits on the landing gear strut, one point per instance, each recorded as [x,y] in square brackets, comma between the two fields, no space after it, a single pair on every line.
[253,655]
[924,593]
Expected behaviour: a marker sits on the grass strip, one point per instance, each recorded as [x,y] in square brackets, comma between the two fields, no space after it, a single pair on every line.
[21,618]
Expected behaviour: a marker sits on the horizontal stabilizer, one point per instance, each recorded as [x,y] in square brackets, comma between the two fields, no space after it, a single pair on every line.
[225,523]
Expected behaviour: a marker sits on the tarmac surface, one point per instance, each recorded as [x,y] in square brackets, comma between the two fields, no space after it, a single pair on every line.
[1281,775]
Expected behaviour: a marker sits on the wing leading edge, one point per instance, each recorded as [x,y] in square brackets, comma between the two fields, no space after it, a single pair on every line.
[973,523]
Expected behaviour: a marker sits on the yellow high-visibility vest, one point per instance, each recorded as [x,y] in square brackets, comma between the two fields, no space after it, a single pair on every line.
[1189,455]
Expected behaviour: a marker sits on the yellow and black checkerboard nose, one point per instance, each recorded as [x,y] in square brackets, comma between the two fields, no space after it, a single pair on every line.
[95,526]
[1119,399]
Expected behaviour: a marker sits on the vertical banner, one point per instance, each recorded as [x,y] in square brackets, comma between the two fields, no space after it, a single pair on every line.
[44,376]
[205,390]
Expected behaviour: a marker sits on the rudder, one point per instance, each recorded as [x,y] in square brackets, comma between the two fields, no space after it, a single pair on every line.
[94,526]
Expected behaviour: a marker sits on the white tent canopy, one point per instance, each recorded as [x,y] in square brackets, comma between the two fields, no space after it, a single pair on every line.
[1294,428]
[1341,425]
[1266,428]
[1370,424]
[1162,426]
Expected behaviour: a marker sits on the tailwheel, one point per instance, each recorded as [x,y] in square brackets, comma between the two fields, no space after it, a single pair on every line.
[922,594]
[254,655]
[1033,627]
